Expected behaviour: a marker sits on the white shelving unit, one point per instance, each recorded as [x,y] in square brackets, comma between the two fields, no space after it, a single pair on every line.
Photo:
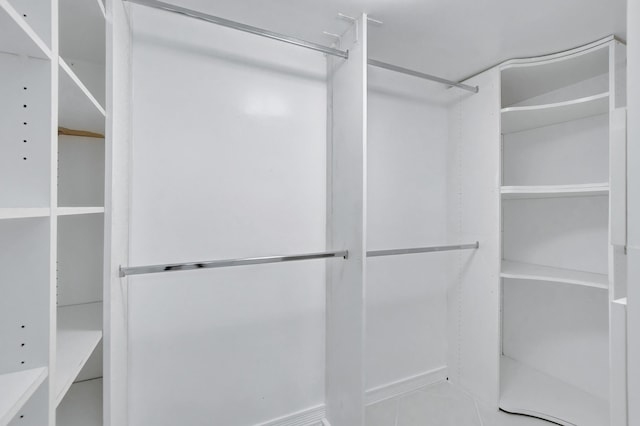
[556,257]
[16,389]
[51,215]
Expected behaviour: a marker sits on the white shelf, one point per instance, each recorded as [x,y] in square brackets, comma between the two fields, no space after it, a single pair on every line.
[531,392]
[78,108]
[554,191]
[79,332]
[70,211]
[82,406]
[16,36]
[24,213]
[16,389]
[528,271]
[517,119]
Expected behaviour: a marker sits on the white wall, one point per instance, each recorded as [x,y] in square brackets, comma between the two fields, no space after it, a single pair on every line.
[406,295]
[229,161]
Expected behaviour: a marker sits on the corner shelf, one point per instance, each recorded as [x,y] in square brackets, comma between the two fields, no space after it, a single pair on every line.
[16,389]
[525,390]
[82,406]
[70,211]
[528,271]
[78,108]
[79,332]
[554,191]
[24,213]
[517,119]
[16,36]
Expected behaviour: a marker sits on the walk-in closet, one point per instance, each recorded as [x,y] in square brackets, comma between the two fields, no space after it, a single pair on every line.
[338,213]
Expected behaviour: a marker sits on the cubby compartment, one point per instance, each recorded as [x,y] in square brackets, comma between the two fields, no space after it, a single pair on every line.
[566,232]
[80,172]
[79,310]
[24,314]
[84,55]
[569,153]
[555,351]
[557,78]
[35,408]
[25,152]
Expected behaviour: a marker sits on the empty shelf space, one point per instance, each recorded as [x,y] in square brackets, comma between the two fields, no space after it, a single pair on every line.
[528,271]
[70,211]
[525,390]
[16,389]
[23,213]
[82,406]
[16,36]
[79,332]
[517,119]
[78,108]
[554,191]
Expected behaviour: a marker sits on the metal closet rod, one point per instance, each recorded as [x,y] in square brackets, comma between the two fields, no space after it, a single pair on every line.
[291,40]
[422,75]
[188,266]
[395,252]
[241,27]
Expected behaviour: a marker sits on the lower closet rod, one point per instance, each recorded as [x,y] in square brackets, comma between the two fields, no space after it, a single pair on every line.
[152,269]
[394,252]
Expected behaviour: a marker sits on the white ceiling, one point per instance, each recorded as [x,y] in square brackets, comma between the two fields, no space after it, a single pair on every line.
[450,38]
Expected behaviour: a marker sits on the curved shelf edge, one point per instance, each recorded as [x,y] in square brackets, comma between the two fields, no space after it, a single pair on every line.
[554,191]
[528,271]
[517,119]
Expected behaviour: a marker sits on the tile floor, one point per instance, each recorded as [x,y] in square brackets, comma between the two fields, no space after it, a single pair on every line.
[441,404]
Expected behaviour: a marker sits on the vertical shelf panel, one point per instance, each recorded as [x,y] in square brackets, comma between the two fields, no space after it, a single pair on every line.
[347,230]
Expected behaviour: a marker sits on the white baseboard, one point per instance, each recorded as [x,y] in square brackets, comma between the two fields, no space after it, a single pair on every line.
[309,417]
[406,385]
[314,416]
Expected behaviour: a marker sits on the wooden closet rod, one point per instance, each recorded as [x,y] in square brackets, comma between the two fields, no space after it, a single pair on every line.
[241,27]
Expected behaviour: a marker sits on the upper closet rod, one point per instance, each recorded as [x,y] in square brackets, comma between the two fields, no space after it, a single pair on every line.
[242,27]
[187,266]
[422,75]
[394,252]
